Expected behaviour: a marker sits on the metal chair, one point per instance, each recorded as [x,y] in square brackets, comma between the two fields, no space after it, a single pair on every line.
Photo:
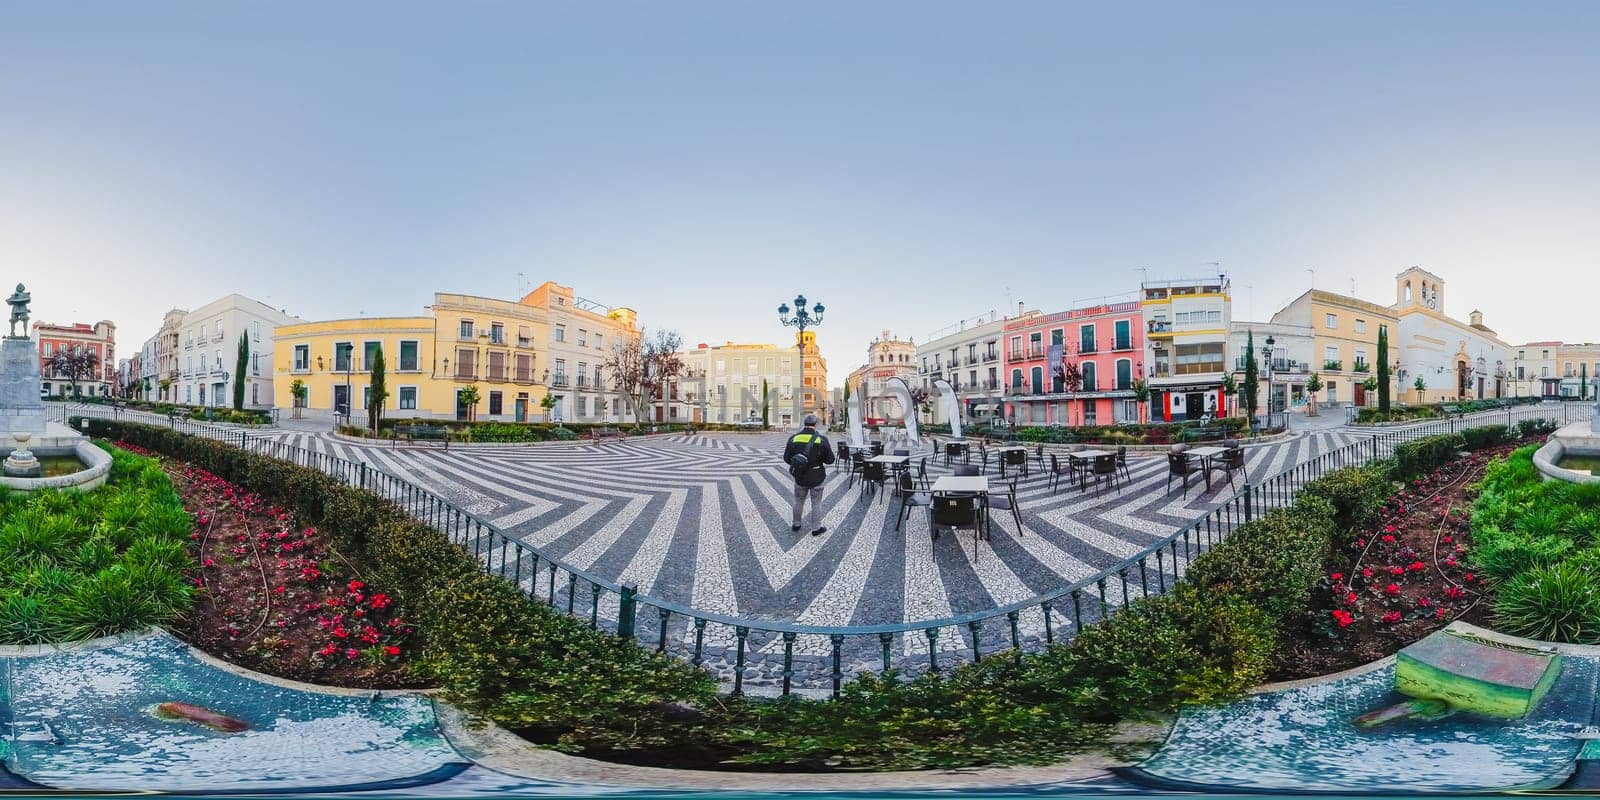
[1179,465]
[1233,460]
[1122,461]
[1038,455]
[922,473]
[966,471]
[1013,458]
[1006,501]
[952,451]
[956,510]
[858,465]
[1057,469]
[1105,468]
[873,474]
[910,498]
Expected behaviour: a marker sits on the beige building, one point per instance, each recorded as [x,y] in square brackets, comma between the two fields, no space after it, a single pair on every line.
[583,334]
[1344,342]
[723,384]
[1537,370]
[887,357]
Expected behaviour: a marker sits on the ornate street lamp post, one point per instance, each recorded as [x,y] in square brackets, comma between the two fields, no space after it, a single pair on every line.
[801,319]
[1266,352]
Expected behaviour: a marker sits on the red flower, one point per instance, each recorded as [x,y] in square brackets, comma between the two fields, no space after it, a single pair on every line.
[1366,572]
[1336,577]
[391,650]
[1397,571]
[1438,613]
[1391,589]
[341,633]
[1350,599]
[1469,577]
[1418,566]
[352,653]
[1391,618]
[1424,602]
[1343,619]
[329,650]
[354,585]
[1387,539]
[380,600]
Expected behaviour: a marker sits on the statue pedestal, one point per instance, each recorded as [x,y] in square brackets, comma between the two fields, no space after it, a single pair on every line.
[21,410]
[21,463]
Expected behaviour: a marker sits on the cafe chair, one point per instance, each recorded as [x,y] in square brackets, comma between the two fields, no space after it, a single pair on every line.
[1179,465]
[910,498]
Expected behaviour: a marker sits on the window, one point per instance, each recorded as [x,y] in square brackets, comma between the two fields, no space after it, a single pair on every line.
[408,398]
[466,363]
[1361,326]
[597,382]
[1196,359]
[1058,337]
[1124,335]
[255,394]
[1333,391]
[561,371]
[597,342]
[466,329]
[1361,357]
[561,333]
[583,374]
[1016,346]
[408,356]
[583,341]
[341,355]
[497,333]
[1086,338]
[1330,353]
[369,352]
[1544,372]
[1016,379]
[524,336]
[1036,379]
[583,406]
[188,394]
[497,365]
[1330,320]
[49,348]
[1124,374]
[366,397]
[496,403]
[524,368]
[255,363]
[1089,384]
[255,331]
[202,333]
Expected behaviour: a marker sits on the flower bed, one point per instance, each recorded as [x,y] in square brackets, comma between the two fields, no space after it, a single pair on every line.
[274,597]
[1395,581]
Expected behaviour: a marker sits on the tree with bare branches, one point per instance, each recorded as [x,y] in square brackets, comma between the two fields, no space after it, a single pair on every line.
[74,364]
[641,367]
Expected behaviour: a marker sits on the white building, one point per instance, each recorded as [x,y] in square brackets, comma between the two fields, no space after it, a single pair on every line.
[1456,360]
[209,350]
[968,354]
[1186,338]
[1293,351]
[722,384]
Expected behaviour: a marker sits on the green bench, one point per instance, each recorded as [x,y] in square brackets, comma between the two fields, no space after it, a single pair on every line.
[597,434]
[414,433]
[1450,409]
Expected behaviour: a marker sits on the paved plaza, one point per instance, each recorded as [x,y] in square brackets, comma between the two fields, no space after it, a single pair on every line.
[703,520]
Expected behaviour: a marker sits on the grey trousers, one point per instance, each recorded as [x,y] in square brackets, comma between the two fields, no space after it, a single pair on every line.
[800,493]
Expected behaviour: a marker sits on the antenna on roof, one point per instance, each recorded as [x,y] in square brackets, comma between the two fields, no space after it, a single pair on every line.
[1144,273]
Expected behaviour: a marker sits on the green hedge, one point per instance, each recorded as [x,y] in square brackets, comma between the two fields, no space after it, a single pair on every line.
[225,414]
[1425,455]
[1484,436]
[1132,434]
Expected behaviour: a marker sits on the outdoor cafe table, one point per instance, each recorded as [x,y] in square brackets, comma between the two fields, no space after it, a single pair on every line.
[894,463]
[1205,454]
[1087,456]
[970,484]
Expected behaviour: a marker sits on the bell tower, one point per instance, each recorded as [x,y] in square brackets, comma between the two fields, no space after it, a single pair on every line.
[1418,288]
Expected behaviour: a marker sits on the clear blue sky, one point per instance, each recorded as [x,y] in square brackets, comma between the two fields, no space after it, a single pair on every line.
[905,163]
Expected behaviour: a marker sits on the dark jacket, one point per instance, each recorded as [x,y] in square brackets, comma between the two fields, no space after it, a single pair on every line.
[817,451]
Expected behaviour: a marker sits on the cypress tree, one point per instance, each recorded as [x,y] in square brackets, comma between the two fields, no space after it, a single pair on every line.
[1252,382]
[378,390]
[238,372]
[1383,369]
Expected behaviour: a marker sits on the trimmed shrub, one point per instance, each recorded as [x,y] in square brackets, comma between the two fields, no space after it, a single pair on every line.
[1424,455]
[1271,563]
[1529,428]
[1356,494]
[1484,436]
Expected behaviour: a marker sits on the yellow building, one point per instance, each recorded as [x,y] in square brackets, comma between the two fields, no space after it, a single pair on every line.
[332,358]
[512,353]
[1344,348]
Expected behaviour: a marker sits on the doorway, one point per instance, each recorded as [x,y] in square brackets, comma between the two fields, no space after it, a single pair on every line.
[1194,404]
[1361,394]
[461,406]
[341,400]
[522,408]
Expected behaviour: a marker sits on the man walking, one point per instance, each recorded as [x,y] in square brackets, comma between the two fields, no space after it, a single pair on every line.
[806,455]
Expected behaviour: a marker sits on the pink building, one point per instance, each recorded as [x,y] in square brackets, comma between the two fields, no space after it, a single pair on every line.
[1075,367]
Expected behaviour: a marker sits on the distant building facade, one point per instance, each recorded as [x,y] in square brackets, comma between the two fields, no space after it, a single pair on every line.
[1186,324]
[99,339]
[1075,367]
[209,337]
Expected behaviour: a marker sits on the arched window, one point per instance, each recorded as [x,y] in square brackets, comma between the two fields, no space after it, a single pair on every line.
[1088,377]
[1407,296]
[1124,374]
[1016,379]
[1036,379]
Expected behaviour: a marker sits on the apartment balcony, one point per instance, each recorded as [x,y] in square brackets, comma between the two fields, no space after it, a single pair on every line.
[991,356]
[523,376]
[1333,366]
[1125,344]
[524,341]
[1159,328]
[1361,366]
[970,361]
[493,375]
[1088,350]
[583,382]
[558,380]
[465,374]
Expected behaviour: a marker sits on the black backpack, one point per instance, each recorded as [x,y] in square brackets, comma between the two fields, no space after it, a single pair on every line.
[799,464]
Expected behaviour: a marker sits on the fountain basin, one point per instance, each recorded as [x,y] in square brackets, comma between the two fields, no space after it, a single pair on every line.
[1572,444]
[94,466]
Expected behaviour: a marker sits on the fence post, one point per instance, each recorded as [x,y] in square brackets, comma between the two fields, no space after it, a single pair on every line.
[1373,453]
[363,474]
[1249,511]
[628,606]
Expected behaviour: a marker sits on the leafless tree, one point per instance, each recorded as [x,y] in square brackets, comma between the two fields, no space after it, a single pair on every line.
[640,368]
[73,363]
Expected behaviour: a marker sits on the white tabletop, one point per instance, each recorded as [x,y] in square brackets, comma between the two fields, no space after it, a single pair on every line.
[1008,448]
[890,459]
[1207,452]
[965,483]
[1089,453]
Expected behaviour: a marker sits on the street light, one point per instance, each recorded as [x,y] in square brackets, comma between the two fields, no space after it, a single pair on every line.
[1267,353]
[801,319]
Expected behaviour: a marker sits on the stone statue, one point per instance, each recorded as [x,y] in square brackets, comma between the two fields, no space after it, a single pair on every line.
[19,311]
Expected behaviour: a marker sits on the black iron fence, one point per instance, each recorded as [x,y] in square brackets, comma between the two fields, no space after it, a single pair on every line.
[786,655]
